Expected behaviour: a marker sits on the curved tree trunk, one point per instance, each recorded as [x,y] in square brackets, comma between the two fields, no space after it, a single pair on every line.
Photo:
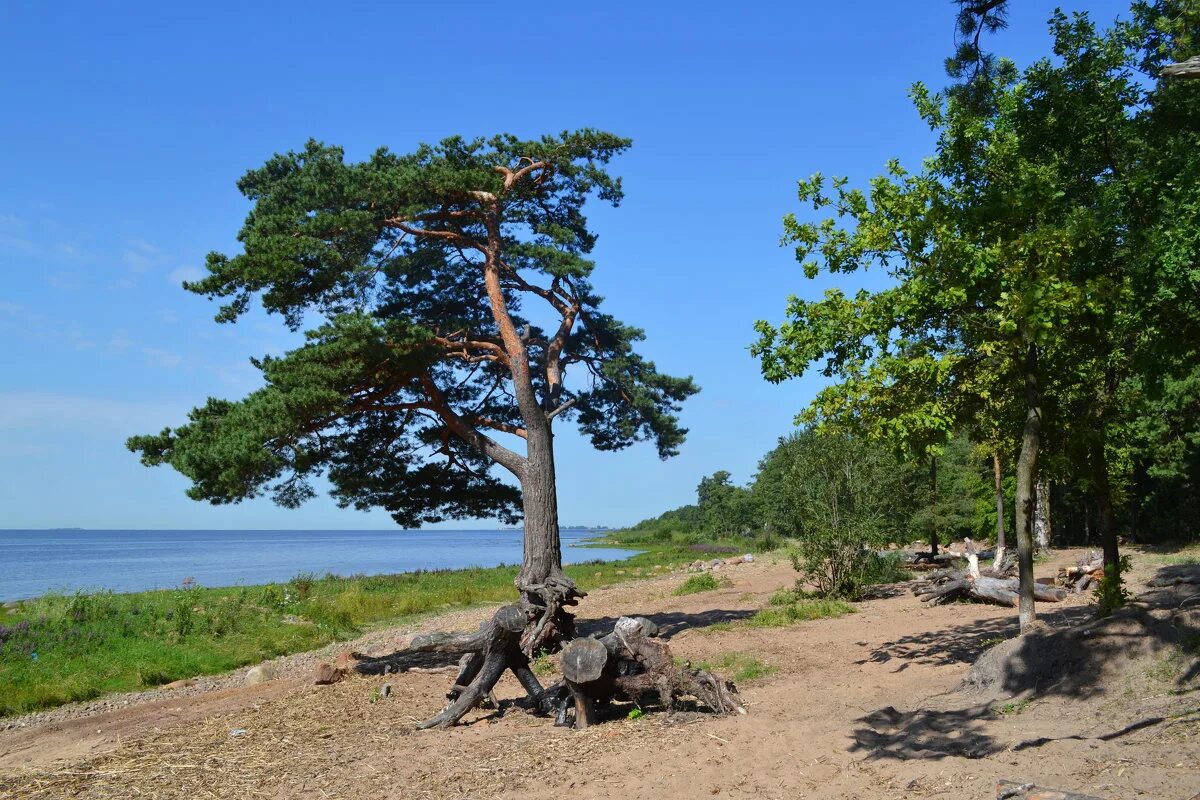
[1026,487]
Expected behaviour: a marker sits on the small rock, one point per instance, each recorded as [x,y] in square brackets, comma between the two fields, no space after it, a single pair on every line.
[734,562]
[620,572]
[238,732]
[183,684]
[325,674]
[385,690]
[263,672]
[748,558]
[716,562]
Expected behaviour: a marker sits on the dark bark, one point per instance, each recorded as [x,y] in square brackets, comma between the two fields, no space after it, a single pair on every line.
[1026,487]
[1102,491]
[999,507]
[933,488]
[629,664]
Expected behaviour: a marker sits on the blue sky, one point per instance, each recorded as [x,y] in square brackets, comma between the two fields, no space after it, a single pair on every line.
[126,126]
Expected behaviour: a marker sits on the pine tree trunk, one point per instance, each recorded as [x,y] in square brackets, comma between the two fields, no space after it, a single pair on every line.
[539,496]
[999,508]
[1026,487]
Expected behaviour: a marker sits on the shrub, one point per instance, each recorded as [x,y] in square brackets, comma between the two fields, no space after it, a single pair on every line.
[702,582]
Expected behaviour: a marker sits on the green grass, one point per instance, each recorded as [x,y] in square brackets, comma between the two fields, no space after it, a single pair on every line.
[63,648]
[800,611]
[542,665]
[738,667]
[702,582]
[1013,708]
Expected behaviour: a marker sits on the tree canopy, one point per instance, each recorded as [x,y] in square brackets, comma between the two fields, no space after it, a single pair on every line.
[446,294]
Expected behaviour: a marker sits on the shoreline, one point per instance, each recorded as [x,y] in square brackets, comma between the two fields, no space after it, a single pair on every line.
[139,570]
[57,649]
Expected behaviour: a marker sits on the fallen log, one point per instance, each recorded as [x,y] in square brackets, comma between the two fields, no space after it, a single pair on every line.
[1011,790]
[958,584]
[628,664]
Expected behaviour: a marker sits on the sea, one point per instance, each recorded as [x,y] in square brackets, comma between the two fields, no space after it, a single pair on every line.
[33,562]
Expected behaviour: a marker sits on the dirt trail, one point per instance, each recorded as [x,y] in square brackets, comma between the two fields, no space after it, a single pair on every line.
[858,707]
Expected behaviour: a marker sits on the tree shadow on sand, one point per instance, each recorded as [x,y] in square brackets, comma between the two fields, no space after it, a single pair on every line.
[962,644]
[669,624]
[924,734]
[1077,661]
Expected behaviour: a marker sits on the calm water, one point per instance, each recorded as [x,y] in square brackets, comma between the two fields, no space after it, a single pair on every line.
[33,562]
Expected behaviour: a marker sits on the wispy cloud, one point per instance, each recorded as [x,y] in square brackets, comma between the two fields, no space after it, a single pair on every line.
[161,358]
[181,274]
[141,256]
[49,411]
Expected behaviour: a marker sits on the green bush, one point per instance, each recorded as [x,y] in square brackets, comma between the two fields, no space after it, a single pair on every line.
[702,582]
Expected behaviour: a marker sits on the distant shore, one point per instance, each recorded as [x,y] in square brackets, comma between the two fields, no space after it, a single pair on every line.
[33,562]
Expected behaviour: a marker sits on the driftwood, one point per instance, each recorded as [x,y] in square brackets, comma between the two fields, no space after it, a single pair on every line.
[629,664]
[947,585]
[1011,790]
[507,641]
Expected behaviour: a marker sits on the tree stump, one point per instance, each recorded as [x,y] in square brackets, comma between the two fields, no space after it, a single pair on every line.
[508,640]
[629,664]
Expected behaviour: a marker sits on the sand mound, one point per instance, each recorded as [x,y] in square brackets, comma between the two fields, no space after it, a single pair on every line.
[1079,661]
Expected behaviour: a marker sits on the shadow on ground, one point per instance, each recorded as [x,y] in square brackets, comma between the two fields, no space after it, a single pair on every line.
[962,644]
[669,623]
[1075,661]
[924,734]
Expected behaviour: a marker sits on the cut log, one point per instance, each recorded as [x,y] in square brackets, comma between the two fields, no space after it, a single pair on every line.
[1012,790]
[628,664]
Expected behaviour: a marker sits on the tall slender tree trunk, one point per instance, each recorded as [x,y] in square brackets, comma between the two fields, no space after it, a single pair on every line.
[1102,491]
[999,508]
[1031,440]
[933,518]
[539,498]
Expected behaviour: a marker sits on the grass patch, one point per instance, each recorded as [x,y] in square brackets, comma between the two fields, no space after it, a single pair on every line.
[63,648]
[542,665]
[702,582]
[1013,708]
[800,611]
[738,667]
